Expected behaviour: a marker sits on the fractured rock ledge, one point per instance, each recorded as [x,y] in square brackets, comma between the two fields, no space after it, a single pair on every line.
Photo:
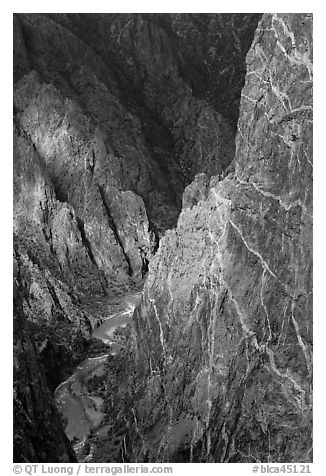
[225,323]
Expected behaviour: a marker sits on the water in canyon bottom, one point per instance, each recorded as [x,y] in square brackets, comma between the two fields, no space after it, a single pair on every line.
[82,411]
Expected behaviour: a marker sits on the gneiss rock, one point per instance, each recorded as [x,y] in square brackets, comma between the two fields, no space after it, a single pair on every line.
[196,191]
[52,266]
[69,158]
[217,45]
[111,123]
[225,324]
[123,101]
[38,430]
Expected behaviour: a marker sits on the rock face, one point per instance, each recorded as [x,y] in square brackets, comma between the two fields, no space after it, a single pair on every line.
[47,243]
[114,115]
[216,43]
[224,331]
[111,107]
[38,430]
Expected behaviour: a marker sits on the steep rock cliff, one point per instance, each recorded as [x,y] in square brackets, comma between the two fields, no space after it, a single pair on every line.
[38,430]
[217,44]
[110,124]
[108,130]
[52,266]
[224,331]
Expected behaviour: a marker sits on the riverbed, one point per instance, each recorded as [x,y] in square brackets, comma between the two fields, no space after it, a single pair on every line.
[84,412]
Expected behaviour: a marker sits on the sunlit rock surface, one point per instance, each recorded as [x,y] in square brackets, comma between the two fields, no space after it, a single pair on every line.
[224,331]
[115,101]
[120,122]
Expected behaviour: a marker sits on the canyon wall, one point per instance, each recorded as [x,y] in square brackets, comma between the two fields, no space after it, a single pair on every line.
[224,331]
[38,429]
[107,132]
[121,122]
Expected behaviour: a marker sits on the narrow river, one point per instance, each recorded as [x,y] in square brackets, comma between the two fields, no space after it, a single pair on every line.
[84,412]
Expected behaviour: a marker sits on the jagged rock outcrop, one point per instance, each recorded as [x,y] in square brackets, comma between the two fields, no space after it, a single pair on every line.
[224,331]
[72,153]
[38,431]
[110,124]
[109,103]
[124,91]
[52,267]
[108,117]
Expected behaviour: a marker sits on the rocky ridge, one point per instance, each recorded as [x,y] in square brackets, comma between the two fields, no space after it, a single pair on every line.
[108,149]
[114,116]
[224,330]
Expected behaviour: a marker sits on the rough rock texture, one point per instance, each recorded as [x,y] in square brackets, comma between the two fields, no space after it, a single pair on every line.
[110,124]
[105,104]
[71,153]
[216,44]
[224,331]
[51,264]
[38,431]
[121,94]
[166,80]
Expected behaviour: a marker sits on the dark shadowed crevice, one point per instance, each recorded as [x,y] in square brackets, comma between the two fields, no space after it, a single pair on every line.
[147,105]
[156,241]
[115,231]
[86,242]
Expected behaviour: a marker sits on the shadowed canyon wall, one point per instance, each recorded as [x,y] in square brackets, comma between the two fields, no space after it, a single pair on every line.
[224,331]
[121,121]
